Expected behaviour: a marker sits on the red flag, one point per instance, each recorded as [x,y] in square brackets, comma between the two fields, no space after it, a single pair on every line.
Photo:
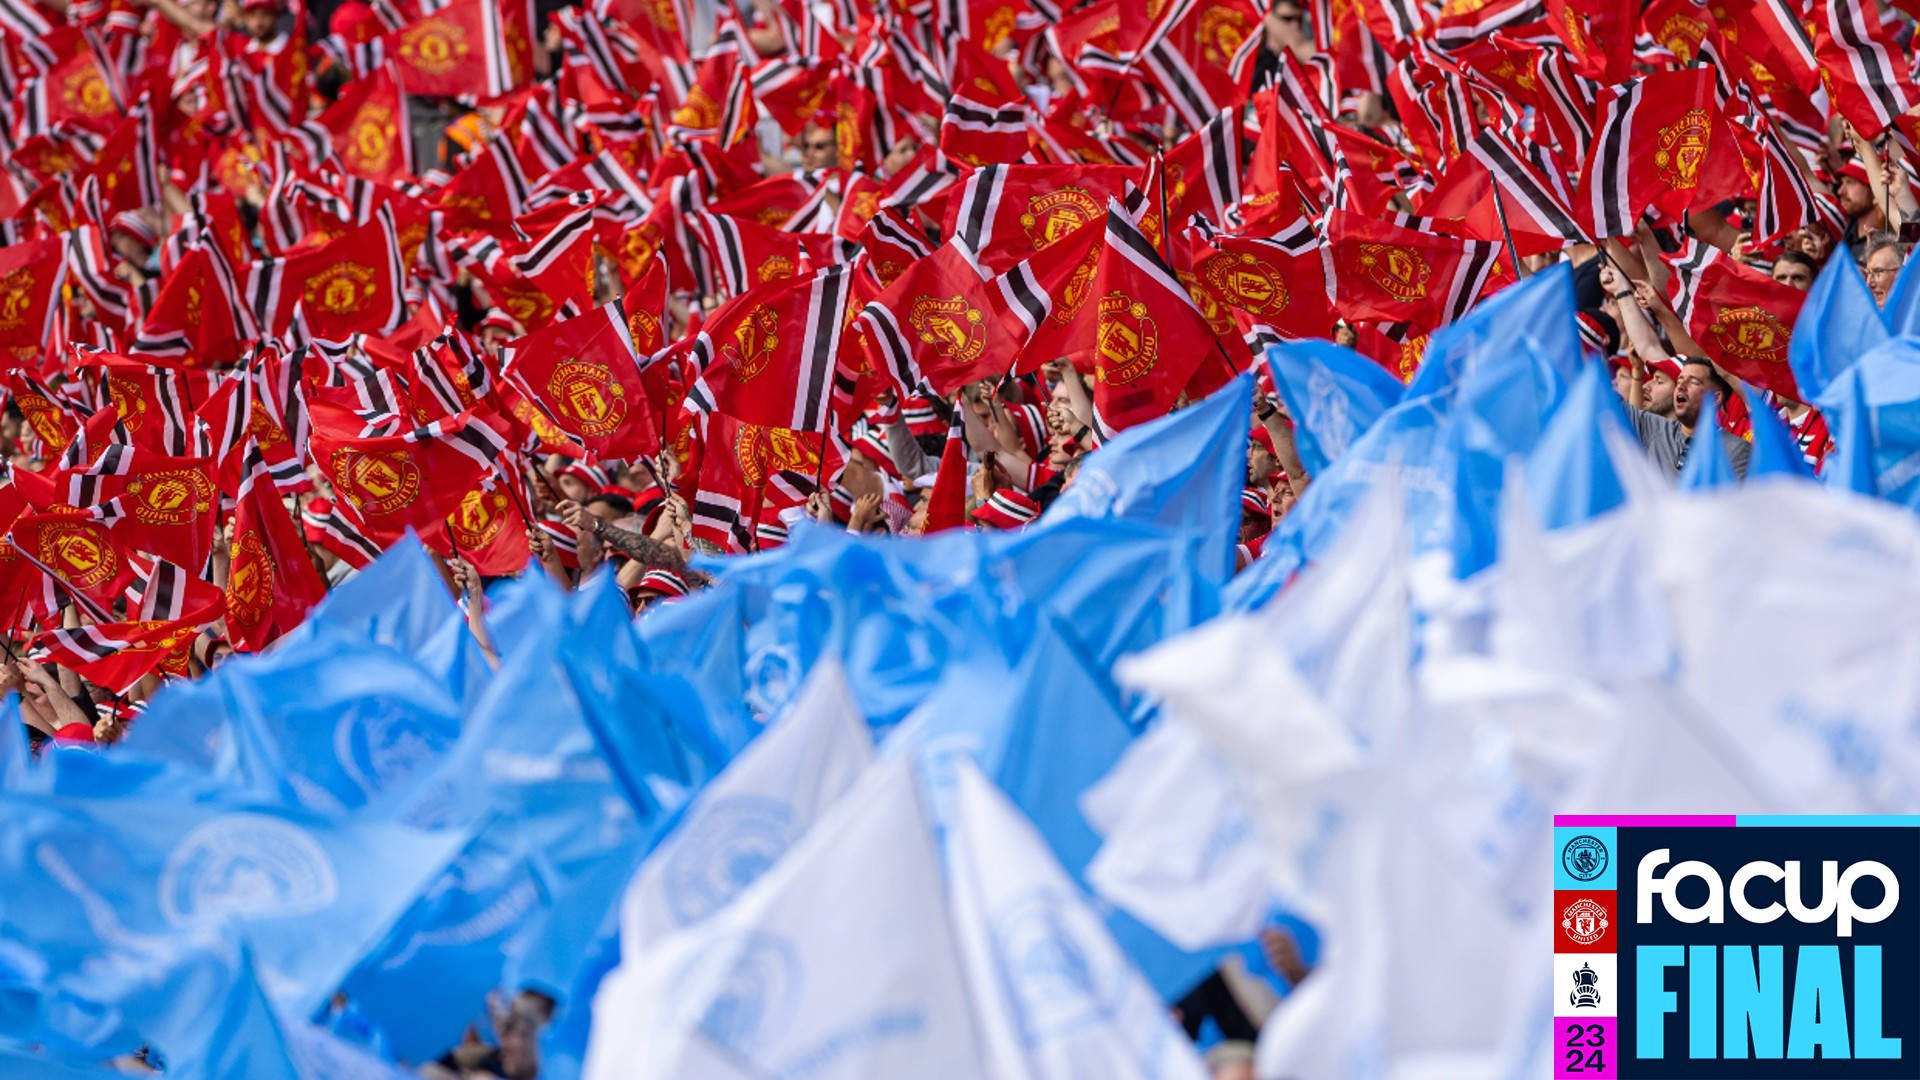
[271,581]
[1399,275]
[489,528]
[30,278]
[1273,285]
[1866,75]
[947,502]
[388,484]
[116,655]
[1740,316]
[198,319]
[370,128]
[74,548]
[585,374]
[1007,213]
[1145,338]
[1660,141]
[944,322]
[768,356]
[166,506]
[479,48]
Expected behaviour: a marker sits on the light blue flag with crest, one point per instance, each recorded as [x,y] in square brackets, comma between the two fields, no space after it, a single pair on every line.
[1876,404]
[1182,471]
[114,895]
[1333,395]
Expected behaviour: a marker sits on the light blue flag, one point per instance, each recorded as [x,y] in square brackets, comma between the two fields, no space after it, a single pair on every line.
[1515,356]
[1045,732]
[1775,451]
[700,638]
[650,727]
[1837,325]
[1902,313]
[16,757]
[1849,464]
[1880,406]
[328,721]
[1570,477]
[1535,317]
[400,600]
[1333,395]
[25,1064]
[1707,465]
[115,894]
[1182,471]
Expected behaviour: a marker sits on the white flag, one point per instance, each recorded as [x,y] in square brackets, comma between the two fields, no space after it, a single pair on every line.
[838,963]
[757,808]
[1180,850]
[1055,995]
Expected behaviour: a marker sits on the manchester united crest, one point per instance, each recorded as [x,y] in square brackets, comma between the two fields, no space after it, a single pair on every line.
[1126,343]
[1681,147]
[1751,333]
[1219,319]
[369,149]
[1584,921]
[529,306]
[16,298]
[700,112]
[481,516]
[949,324]
[169,496]
[128,399]
[375,482]
[1682,37]
[587,397]
[261,427]
[44,418]
[86,93]
[434,46]
[250,580]
[775,268]
[1222,30]
[644,328]
[1400,272]
[1054,214]
[763,451]
[754,340]
[342,289]
[79,552]
[1066,307]
[1247,283]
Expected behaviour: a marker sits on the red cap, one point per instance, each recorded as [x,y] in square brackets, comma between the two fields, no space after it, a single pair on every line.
[1007,508]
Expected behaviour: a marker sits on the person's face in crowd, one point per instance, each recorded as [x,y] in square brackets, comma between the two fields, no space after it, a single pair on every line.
[572,488]
[819,147]
[1855,197]
[1058,79]
[1284,26]
[900,155]
[1815,242]
[1793,272]
[259,23]
[1883,268]
[1345,335]
[1623,381]
[1692,388]
[1233,1070]
[606,512]
[129,247]
[1260,463]
[917,521]
[862,477]
[1283,499]
[1253,526]
[519,1054]
[1660,394]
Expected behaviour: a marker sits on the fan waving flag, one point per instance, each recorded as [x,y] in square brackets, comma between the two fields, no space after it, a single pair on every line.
[75,550]
[1740,316]
[271,581]
[585,375]
[767,357]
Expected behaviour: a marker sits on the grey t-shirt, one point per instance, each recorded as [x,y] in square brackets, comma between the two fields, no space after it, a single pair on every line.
[1666,442]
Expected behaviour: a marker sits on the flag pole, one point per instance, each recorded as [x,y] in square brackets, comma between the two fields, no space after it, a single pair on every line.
[1513,253]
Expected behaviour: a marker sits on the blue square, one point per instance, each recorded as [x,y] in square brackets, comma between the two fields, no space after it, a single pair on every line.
[1583,857]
